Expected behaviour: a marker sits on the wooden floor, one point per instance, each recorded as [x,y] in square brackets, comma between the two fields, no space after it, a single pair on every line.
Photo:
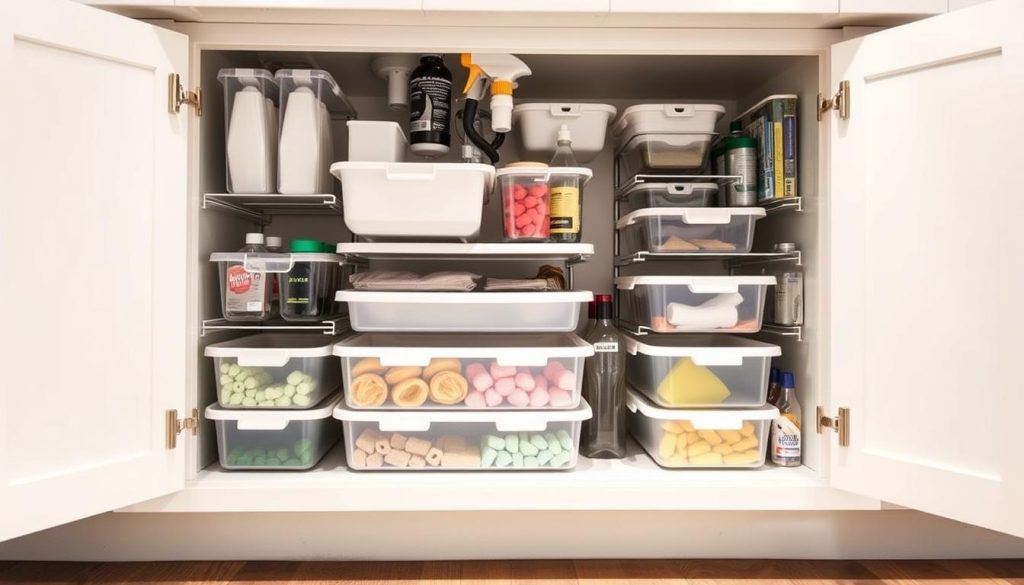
[990,572]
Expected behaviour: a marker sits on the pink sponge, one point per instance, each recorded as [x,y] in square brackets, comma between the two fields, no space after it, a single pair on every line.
[525,382]
[476,400]
[539,397]
[560,399]
[502,371]
[519,399]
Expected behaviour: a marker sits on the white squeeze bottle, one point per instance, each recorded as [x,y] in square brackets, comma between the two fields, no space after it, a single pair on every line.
[249,143]
[299,156]
[785,443]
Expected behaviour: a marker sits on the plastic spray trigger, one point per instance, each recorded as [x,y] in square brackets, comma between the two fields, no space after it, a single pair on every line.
[466,59]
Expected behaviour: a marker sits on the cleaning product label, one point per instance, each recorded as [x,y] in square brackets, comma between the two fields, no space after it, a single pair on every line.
[789,301]
[565,210]
[786,440]
[606,346]
[429,104]
[244,291]
[742,162]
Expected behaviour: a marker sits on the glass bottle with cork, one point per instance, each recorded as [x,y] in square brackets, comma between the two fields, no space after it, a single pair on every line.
[566,207]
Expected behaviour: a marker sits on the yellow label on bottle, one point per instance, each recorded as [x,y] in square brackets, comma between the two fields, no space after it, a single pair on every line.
[565,210]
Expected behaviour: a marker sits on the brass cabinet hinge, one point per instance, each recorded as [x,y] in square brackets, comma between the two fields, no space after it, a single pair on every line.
[840,101]
[177,96]
[839,424]
[175,426]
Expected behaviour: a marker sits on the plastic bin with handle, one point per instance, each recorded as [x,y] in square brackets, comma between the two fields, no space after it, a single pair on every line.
[694,304]
[690,230]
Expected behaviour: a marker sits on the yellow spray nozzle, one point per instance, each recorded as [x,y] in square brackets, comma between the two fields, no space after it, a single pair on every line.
[466,59]
[501,87]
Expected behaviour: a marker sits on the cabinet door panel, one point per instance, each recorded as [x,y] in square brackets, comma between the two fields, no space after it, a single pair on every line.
[892,6]
[739,7]
[92,243]
[926,287]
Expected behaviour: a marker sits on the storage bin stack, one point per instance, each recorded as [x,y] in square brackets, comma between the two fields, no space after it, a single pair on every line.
[697,398]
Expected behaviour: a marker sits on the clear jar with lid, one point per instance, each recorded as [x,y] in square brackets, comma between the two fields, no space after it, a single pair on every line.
[788,305]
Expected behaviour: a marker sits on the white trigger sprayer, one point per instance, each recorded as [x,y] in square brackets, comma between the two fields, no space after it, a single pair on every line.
[500,71]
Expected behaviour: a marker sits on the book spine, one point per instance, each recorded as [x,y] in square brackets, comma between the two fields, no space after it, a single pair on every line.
[756,126]
[775,116]
[789,147]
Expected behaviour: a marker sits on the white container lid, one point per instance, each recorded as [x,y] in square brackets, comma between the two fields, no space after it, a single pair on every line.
[412,171]
[272,420]
[697,284]
[674,188]
[704,349]
[272,350]
[565,110]
[504,421]
[463,298]
[544,174]
[274,262]
[702,419]
[417,349]
[692,215]
[667,110]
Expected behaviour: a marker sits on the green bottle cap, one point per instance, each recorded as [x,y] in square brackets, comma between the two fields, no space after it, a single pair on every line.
[315,246]
[735,126]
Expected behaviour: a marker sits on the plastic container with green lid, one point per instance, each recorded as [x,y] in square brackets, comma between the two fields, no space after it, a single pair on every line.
[736,155]
[307,289]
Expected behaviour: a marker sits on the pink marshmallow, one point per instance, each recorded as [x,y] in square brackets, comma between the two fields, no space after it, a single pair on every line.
[537,190]
[475,400]
[502,371]
[518,192]
[482,382]
[524,370]
[525,381]
[560,399]
[518,209]
[492,398]
[475,368]
[542,209]
[539,397]
[552,370]
[528,230]
[523,221]
[540,383]
[531,201]
[566,380]
[504,386]
[519,398]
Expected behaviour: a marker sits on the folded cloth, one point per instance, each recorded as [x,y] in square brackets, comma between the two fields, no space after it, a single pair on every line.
[719,312]
[541,284]
[410,281]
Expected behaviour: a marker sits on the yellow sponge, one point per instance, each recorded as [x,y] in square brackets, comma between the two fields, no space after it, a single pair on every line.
[689,384]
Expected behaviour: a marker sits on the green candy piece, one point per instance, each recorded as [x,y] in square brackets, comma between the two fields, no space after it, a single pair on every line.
[553,445]
[292,462]
[289,391]
[282,454]
[250,393]
[565,439]
[259,460]
[273,461]
[273,393]
[527,449]
[504,459]
[303,445]
[244,461]
[261,395]
[225,368]
[512,443]
[530,462]
[487,457]
[295,377]
[300,400]
[544,457]
[561,460]
[306,457]
[495,442]
[283,401]
[538,441]
[247,401]
[518,460]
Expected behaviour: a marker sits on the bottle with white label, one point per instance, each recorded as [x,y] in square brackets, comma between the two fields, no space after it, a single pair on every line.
[604,387]
[785,443]
[247,294]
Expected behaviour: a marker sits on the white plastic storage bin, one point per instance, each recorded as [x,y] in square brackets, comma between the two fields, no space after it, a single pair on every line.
[665,153]
[251,129]
[307,140]
[650,195]
[374,141]
[694,304]
[690,230]
[275,439]
[526,198]
[700,438]
[437,201]
[700,370]
[538,125]
[308,283]
[451,440]
[464,312]
[450,371]
[654,118]
[274,370]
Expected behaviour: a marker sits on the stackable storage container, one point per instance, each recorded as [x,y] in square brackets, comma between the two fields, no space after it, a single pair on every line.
[462,440]
[665,153]
[538,124]
[449,371]
[681,439]
[275,439]
[376,141]
[653,118]
[678,230]
[700,370]
[464,312]
[434,201]
[250,129]
[526,198]
[307,282]
[694,304]
[274,370]
[647,195]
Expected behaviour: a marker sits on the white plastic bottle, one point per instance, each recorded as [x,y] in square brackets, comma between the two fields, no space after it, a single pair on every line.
[785,442]
[301,152]
[250,143]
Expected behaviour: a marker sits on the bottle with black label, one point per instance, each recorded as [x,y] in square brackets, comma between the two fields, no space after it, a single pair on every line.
[430,101]
[566,207]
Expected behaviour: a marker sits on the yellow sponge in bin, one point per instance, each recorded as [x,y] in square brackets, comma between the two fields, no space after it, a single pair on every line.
[689,384]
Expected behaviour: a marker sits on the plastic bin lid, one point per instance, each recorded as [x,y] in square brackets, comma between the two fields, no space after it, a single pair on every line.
[275,262]
[504,421]
[564,110]
[704,349]
[417,349]
[247,76]
[545,173]
[273,420]
[705,418]
[330,92]
[413,171]
[675,188]
[464,298]
[692,215]
[306,246]
[266,349]
[710,284]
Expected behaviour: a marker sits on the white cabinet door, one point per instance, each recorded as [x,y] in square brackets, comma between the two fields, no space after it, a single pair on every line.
[92,249]
[926,285]
[893,6]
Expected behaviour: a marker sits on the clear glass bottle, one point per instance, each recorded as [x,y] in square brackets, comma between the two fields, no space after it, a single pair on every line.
[604,388]
[246,294]
[566,208]
[785,450]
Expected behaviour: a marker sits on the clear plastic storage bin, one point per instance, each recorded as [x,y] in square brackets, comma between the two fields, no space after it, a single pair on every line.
[275,440]
[694,304]
[376,141]
[449,371]
[665,153]
[700,370]
[690,230]
[274,370]
[250,129]
[526,198]
[464,312]
[538,124]
[308,283]
[452,440]
[700,438]
[654,118]
[647,195]
[436,201]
